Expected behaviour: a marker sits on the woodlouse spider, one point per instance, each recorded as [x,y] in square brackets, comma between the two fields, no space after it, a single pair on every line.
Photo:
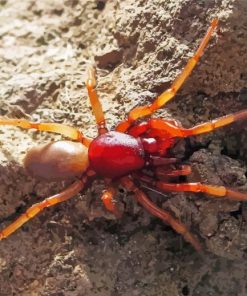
[122,154]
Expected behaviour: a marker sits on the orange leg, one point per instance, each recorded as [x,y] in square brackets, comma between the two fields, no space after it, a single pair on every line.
[68,193]
[167,95]
[215,191]
[94,100]
[109,203]
[58,128]
[142,198]
[214,124]
[159,125]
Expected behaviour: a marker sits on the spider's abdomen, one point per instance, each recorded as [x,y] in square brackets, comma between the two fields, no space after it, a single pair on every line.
[55,161]
[116,154]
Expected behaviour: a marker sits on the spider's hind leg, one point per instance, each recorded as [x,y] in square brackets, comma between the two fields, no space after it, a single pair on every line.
[66,194]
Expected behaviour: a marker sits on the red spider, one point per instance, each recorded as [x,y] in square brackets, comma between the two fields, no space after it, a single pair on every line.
[122,154]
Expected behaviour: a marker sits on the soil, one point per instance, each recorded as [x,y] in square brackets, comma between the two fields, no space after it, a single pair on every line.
[77,248]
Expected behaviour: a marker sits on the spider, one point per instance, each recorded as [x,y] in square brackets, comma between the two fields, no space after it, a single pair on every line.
[122,155]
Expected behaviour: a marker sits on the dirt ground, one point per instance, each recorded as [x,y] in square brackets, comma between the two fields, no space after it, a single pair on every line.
[77,248]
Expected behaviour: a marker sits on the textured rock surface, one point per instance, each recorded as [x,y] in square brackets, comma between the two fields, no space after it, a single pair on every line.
[140,46]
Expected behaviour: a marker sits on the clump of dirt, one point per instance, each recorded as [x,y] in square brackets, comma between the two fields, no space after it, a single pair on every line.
[77,248]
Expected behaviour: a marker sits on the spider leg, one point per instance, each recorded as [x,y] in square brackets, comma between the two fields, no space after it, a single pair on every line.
[58,128]
[94,100]
[164,173]
[109,203]
[167,95]
[35,209]
[213,190]
[214,124]
[206,127]
[142,198]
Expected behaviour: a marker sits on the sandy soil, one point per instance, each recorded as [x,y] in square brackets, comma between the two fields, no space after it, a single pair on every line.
[77,248]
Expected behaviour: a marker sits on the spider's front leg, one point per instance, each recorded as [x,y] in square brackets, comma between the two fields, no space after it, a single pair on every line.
[94,100]
[167,95]
[160,128]
[213,190]
[175,131]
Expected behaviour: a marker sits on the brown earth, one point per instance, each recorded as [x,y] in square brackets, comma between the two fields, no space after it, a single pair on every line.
[77,248]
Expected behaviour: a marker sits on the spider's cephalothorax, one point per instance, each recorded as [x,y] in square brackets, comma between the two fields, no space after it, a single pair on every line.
[115,154]
[121,155]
